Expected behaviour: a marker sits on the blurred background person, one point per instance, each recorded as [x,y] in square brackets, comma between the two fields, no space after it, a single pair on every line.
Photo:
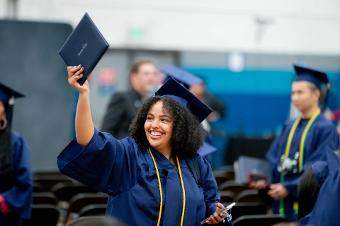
[15,169]
[302,142]
[319,192]
[144,79]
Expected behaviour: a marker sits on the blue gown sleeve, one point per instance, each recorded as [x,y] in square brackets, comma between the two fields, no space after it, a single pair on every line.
[106,164]
[209,185]
[19,197]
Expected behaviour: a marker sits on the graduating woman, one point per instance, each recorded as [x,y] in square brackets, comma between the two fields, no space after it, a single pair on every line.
[15,173]
[302,141]
[155,176]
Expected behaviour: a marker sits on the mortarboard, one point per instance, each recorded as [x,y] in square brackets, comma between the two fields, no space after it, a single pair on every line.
[181,76]
[7,93]
[7,96]
[311,75]
[174,90]
[177,92]
[206,149]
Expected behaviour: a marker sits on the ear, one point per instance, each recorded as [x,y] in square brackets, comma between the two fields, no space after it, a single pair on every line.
[133,77]
[316,93]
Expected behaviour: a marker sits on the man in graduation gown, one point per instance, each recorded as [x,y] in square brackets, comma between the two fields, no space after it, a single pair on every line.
[302,141]
[15,173]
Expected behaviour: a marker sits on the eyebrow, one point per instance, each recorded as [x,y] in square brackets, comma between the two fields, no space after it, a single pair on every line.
[167,116]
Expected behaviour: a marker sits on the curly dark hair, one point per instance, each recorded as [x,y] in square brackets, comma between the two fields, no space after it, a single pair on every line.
[187,135]
[308,190]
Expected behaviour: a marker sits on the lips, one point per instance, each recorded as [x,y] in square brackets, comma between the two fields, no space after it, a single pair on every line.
[155,134]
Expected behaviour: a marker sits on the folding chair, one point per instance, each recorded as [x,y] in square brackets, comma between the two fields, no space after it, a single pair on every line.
[93,210]
[46,215]
[65,191]
[233,187]
[259,220]
[79,201]
[44,198]
[249,195]
[96,221]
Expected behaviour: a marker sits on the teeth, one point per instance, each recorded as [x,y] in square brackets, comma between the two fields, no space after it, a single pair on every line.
[155,133]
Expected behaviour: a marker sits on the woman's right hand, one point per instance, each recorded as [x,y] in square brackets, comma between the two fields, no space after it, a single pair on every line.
[74,74]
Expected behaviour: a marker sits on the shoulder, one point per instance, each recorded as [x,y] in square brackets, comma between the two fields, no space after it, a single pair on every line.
[129,141]
[118,96]
[199,163]
[288,123]
[17,139]
[19,145]
[324,123]
[128,144]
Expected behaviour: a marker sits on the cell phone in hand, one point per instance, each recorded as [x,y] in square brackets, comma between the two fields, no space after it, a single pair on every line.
[224,211]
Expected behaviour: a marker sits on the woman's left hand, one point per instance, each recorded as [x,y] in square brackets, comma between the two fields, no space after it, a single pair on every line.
[218,216]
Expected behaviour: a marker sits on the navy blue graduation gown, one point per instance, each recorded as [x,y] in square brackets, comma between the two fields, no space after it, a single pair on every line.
[327,205]
[321,134]
[18,197]
[125,172]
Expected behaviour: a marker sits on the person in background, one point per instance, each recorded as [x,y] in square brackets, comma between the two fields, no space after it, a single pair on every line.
[144,79]
[302,142]
[15,170]
[154,176]
[319,191]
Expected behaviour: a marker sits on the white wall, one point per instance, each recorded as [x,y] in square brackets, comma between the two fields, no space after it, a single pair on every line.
[294,26]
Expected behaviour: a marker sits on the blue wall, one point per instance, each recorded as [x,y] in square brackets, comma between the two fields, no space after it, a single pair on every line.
[258,100]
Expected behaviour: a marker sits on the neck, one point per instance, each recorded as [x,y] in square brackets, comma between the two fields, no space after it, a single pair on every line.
[167,153]
[308,113]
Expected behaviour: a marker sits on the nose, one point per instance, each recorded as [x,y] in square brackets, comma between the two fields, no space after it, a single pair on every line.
[154,124]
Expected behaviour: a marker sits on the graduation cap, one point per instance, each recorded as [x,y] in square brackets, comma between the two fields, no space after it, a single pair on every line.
[181,76]
[7,96]
[311,75]
[177,92]
[174,90]
[206,149]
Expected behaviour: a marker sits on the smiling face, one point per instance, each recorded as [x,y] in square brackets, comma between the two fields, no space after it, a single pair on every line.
[158,128]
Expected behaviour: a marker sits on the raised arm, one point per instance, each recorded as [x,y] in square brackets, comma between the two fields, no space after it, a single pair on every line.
[83,121]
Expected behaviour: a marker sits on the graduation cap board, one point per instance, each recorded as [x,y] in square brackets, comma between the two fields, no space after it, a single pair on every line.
[7,97]
[206,149]
[6,93]
[177,92]
[172,89]
[181,76]
[85,46]
[311,75]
